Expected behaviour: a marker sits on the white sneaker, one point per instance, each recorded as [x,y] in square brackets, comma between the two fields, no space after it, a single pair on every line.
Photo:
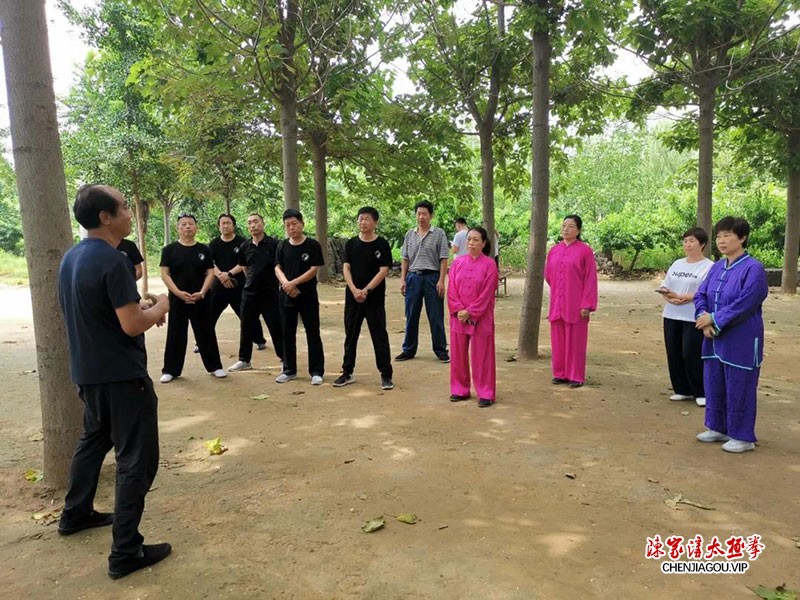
[219,373]
[738,446]
[284,377]
[700,401]
[241,365]
[166,378]
[712,436]
[261,346]
[679,397]
[316,380]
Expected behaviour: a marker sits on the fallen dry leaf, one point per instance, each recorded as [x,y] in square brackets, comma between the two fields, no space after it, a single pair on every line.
[373,524]
[215,446]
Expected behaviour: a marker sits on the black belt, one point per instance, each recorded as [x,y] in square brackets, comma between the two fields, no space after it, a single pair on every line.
[426,272]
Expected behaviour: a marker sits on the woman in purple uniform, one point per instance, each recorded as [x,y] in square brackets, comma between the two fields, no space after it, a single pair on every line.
[728,306]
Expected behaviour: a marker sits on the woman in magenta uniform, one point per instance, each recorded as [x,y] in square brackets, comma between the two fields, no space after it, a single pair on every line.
[571,273]
[471,291]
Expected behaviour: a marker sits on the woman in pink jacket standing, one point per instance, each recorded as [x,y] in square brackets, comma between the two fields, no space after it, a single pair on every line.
[571,273]
[470,300]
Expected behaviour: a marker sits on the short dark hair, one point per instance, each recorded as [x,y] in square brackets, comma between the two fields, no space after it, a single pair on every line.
[291,213]
[226,216]
[461,221]
[423,204]
[697,233]
[254,214]
[368,210]
[487,246]
[578,223]
[737,225]
[90,200]
[186,215]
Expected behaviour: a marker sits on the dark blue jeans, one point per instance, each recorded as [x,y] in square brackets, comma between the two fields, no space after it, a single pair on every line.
[421,287]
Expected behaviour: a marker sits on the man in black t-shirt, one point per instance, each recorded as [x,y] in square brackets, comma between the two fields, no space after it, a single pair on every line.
[105,331]
[260,294]
[131,252]
[367,260]
[298,259]
[227,290]
[188,273]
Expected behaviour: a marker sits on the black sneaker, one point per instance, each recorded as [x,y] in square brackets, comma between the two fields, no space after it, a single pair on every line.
[445,358]
[575,384]
[483,403]
[196,349]
[343,380]
[386,383]
[403,356]
[559,380]
[150,555]
[458,397]
[96,519]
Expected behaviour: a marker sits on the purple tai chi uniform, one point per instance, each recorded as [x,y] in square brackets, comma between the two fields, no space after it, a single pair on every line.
[471,286]
[732,295]
[571,272]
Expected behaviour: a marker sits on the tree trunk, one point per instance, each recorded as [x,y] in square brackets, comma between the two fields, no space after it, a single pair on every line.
[288,112]
[42,191]
[141,220]
[319,152]
[532,299]
[705,167]
[486,133]
[791,245]
[167,222]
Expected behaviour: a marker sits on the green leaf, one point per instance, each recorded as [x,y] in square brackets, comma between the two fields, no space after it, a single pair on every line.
[34,475]
[407,518]
[373,524]
[779,593]
[260,397]
[215,446]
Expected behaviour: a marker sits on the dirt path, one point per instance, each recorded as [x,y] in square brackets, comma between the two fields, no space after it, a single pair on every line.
[279,514]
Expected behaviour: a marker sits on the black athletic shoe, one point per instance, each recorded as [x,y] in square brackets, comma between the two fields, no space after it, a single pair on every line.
[96,519]
[483,403]
[458,398]
[445,358]
[403,356]
[343,380]
[559,380]
[575,384]
[386,383]
[150,555]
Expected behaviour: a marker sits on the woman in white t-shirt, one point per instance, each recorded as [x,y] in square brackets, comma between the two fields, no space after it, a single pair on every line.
[682,340]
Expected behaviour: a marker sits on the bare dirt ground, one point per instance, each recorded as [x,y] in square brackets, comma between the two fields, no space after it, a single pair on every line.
[279,514]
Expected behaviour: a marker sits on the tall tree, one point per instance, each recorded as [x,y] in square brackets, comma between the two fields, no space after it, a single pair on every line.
[768,115]
[467,66]
[45,220]
[570,41]
[694,48]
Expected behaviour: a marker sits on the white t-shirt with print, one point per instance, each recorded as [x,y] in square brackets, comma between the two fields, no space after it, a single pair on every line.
[684,277]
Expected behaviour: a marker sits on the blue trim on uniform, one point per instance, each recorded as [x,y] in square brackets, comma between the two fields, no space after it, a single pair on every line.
[730,364]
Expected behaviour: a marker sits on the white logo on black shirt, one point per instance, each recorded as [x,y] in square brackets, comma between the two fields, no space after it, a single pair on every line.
[201,256]
[304,257]
[236,250]
[378,254]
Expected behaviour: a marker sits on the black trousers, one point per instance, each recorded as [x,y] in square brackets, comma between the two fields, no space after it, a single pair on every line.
[684,345]
[259,303]
[222,298]
[123,416]
[308,310]
[199,315]
[375,314]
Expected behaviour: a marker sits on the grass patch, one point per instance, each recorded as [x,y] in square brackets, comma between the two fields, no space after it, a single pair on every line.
[13,269]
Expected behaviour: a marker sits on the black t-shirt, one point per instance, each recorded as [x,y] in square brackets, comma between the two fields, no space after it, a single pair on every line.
[366,259]
[225,255]
[131,251]
[296,260]
[93,281]
[260,262]
[187,265]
